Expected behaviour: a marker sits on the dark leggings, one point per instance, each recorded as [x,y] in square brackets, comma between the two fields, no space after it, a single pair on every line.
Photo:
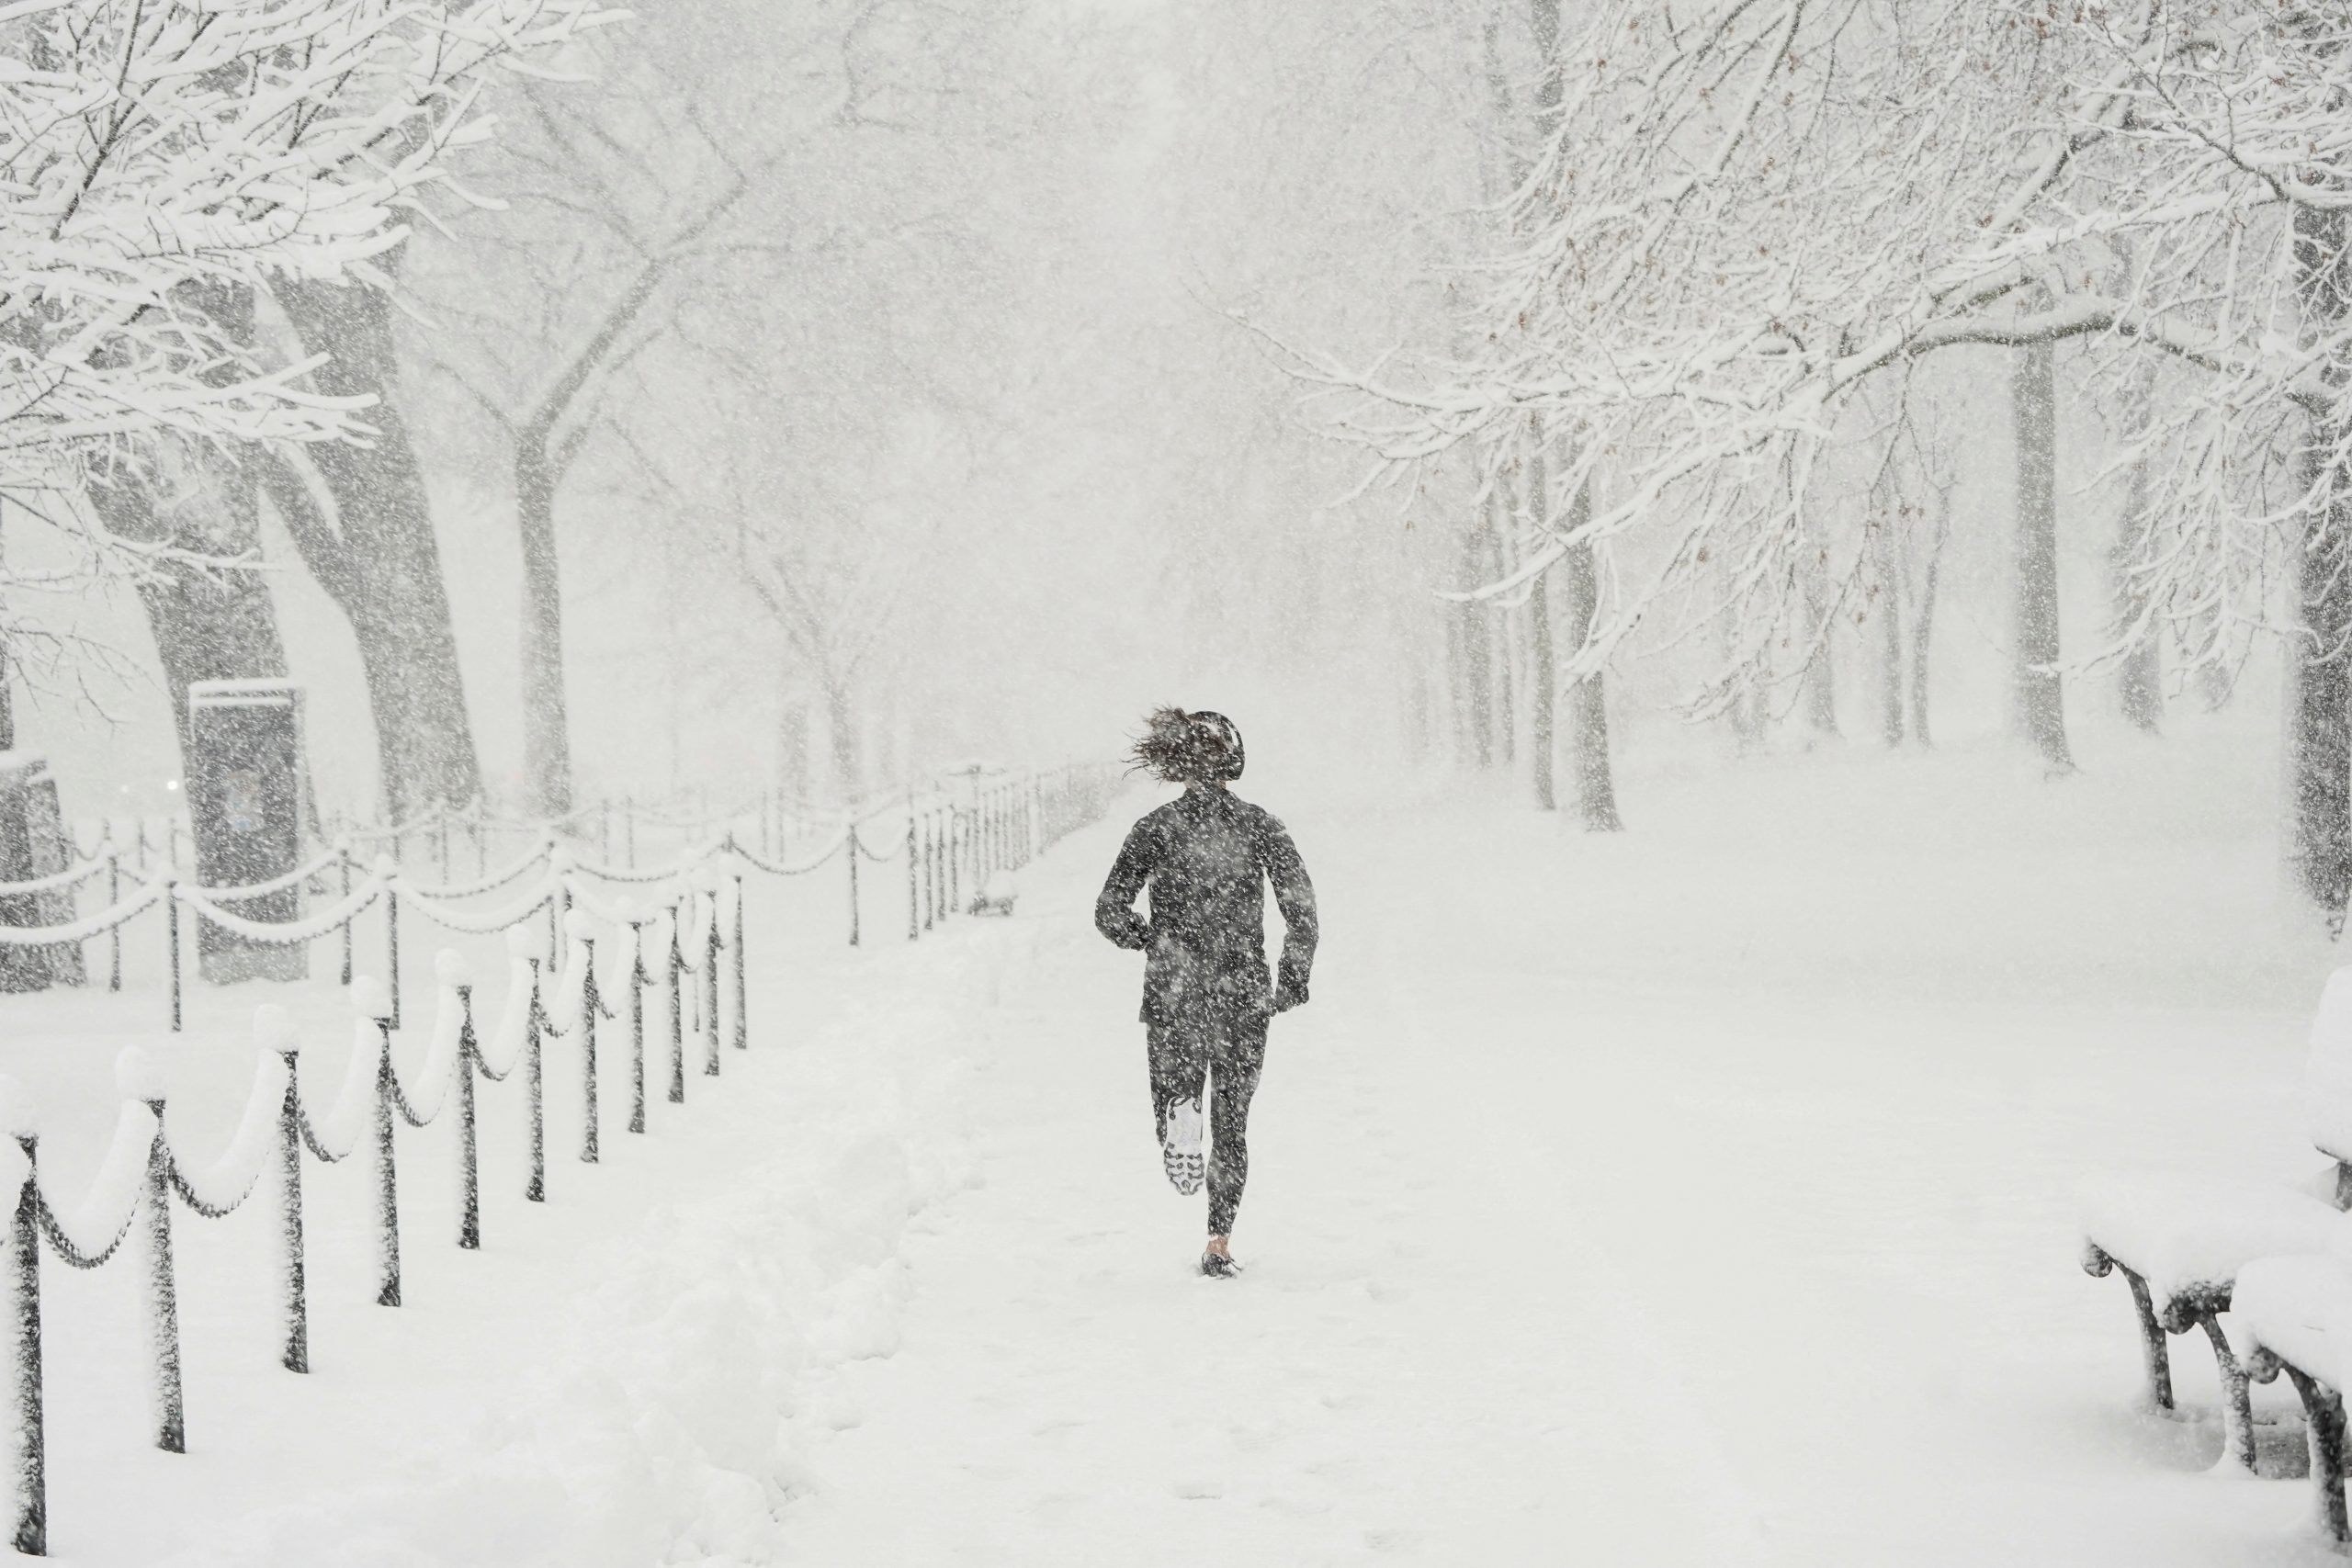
[1227,1051]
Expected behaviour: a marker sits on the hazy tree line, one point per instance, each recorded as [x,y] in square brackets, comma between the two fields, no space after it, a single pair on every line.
[1745,292]
[882,376]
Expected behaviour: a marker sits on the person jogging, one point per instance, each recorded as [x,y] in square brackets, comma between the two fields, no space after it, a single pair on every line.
[1206,857]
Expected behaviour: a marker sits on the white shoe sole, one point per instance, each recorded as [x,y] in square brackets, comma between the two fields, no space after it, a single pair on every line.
[1181,1153]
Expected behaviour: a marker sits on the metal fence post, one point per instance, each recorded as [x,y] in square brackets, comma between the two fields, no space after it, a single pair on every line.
[114,932]
[391,940]
[534,1185]
[711,945]
[32,1446]
[387,1208]
[293,1284]
[636,1026]
[590,1002]
[162,1297]
[677,965]
[468,1144]
[171,924]
[742,1014]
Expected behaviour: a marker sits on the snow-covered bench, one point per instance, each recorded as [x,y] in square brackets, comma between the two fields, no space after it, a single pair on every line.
[995,897]
[2295,1314]
[2180,1243]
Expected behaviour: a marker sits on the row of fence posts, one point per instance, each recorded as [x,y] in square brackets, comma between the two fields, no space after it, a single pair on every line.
[34,1220]
[950,849]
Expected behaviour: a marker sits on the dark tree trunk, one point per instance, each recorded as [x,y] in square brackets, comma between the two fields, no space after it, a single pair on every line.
[1588,700]
[2037,693]
[1504,681]
[546,739]
[1923,621]
[1544,674]
[1888,514]
[2139,679]
[210,623]
[840,724]
[2319,706]
[1818,686]
[377,557]
[792,748]
[1544,17]
[1476,689]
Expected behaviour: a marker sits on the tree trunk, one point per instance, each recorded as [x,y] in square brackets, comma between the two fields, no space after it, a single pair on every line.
[547,738]
[2139,682]
[377,558]
[1818,685]
[1587,699]
[1505,680]
[210,623]
[840,724]
[2319,706]
[1542,697]
[1923,620]
[1886,556]
[1476,691]
[2037,693]
[792,747]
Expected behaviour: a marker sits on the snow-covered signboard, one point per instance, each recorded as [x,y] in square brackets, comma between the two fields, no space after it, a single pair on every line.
[244,790]
[33,845]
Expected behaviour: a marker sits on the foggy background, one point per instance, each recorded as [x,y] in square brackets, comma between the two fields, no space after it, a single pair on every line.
[964,365]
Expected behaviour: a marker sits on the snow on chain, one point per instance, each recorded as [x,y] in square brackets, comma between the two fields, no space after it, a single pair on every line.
[88,1232]
[489,883]
[72,876]
[99,924]
[618,915]
[439,1069]
[276,884]
[485,921]
[504,1049]
[616,961]
[334,1137]
[327,921]
[676,868]
[779,868]
[216,1189]
[570,1000]
[699,918]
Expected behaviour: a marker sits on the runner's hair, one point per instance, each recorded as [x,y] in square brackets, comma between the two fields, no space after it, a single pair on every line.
[1174,750]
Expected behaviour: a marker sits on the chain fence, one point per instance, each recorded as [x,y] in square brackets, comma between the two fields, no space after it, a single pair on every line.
[677,936]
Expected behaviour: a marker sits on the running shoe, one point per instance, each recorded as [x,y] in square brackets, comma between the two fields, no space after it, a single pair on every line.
[1217,1265]
[1182,1151]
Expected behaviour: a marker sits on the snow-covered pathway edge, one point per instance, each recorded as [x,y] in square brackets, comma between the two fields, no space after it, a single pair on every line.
[645,1380]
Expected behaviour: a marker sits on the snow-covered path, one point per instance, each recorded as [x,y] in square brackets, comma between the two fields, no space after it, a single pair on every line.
[1395,1377]
[1565,1249]
[1701,1197]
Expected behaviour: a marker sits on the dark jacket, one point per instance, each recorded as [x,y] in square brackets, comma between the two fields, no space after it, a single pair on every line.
[1206,857]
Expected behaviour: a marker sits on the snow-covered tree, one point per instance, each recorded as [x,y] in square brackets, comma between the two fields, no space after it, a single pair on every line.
[159,153]
[1750,212]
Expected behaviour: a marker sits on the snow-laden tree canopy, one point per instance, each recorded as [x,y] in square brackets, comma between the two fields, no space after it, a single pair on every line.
[158,156]
[1746,212]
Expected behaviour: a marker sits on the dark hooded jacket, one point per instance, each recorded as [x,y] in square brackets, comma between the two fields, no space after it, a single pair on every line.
[1206,857]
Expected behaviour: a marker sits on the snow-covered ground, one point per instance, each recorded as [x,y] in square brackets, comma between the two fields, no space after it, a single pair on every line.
[1700,1196]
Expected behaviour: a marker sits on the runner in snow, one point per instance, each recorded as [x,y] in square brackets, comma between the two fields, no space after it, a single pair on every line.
[1206,857]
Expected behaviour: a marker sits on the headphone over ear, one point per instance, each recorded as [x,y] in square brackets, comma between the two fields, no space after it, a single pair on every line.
[1220,744]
